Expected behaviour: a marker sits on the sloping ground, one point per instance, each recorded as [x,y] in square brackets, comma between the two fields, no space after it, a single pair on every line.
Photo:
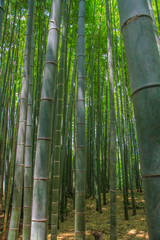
[135,228]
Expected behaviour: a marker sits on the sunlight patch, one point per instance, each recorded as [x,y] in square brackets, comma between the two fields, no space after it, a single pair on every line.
[142,235]
[132,232]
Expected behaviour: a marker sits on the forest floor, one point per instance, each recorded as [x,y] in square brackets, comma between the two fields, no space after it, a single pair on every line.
[134,228]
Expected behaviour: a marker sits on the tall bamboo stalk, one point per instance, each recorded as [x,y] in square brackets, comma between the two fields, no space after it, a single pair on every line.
[57,156]
[98,138]
[28,163]
[44,136]
[80,144]
[144,71]
[113,147]
[10,178]
[19,167]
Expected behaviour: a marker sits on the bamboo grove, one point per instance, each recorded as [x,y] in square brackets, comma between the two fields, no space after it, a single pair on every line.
[79,112]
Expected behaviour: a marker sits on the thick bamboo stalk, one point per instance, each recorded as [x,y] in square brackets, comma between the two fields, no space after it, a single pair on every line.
[44,137]
[144,71]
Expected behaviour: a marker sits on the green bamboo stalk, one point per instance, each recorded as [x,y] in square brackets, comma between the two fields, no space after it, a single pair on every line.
[10,179]
[4,123]
[52,157]
[19,166]
[1,15]
[12,105]
[3,36]
[157,13]
[106,137]
[60,102]
[117,79]
[92,129]
[98,138]
[80,148]
[5,79]
[44,136]
[4,83]
[28,163]
[88,190]
[154,23]
[141,47]
[38,78]
[74,153]
[3,148]
[1,22]
[129,156]
[136,162]
[68,115]
[64,174]
[113,132]
[68,164]
[11,102]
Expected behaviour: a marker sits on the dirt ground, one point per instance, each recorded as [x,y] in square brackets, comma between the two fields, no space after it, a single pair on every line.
[134,228]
